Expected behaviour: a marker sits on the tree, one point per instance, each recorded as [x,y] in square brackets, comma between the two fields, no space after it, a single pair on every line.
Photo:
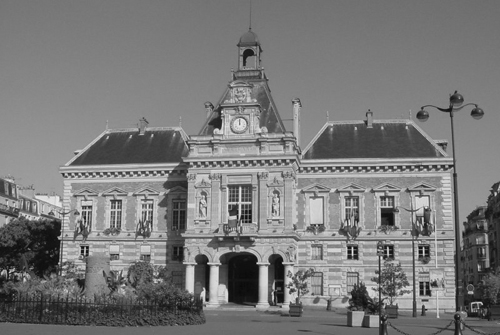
[393,280]
[490,288]
[30,246]
[298,282]
[361,301]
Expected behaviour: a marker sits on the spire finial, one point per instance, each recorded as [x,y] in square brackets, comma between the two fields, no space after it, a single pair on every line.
[250,24]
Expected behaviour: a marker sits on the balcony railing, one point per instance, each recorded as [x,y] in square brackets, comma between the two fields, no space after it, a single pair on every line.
[9,210]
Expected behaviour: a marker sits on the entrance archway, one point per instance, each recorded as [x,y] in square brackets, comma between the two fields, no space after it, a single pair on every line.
[243,279]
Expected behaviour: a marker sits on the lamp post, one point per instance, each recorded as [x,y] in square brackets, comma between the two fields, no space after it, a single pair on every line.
[456,101]
[63,213]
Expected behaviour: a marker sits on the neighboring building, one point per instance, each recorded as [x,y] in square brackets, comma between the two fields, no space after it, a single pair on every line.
[49,204]
[492,215]
[235,208]
[9,201]
[475,253]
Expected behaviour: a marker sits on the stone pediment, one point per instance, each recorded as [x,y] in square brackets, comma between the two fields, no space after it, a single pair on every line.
[316,188]
[177,189]
[203,184]
[86,192]
[386,187]
[352,188]
[114,191]
[146,192]
[422,187]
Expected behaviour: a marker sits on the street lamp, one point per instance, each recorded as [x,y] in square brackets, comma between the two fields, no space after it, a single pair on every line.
[456,101]
[63,213]
[380,254]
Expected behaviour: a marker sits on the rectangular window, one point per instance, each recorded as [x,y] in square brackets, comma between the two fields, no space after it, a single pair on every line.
[421,202]
[424,251]
[352,208]
[387,211]
[316,211]
[179,215]
[177,279]
[424,284]
[147,211]
[388,251]
[114,252]
[145,253]
[352,279]
[481,252]
[240,199]
[87,213]
[84,251]
[317,283]
[115,218]
[352,252]
[317,252]
[177,253]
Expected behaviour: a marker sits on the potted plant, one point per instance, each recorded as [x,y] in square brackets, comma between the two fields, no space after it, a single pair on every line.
[298,284]
[362,309]
[392,282]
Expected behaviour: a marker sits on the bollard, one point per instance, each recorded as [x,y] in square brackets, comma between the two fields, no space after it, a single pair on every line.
[423,310]
[458,324]
[382,327]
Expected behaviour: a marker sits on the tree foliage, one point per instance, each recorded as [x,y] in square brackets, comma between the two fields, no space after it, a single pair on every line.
[361,301]
[393,281]
[298,282]
[30,246]
[490,288]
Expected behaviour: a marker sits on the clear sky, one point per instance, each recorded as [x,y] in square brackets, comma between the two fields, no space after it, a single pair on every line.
[68,67]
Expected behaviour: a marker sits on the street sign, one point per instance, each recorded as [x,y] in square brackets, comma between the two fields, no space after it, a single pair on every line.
[380,249]
[470,289]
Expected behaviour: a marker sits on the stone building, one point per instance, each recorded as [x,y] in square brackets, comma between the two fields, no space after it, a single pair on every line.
[475,252]
[232,210]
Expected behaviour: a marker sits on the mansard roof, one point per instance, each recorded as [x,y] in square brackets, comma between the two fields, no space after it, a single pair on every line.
[269,116]
[128,146]
[390,139]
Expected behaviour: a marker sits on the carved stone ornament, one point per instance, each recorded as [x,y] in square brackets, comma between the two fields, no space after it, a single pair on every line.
[288,175]
[191,177]
[263,175]
[215,176]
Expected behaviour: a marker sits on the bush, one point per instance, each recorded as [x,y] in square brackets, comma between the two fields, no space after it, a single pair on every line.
[361,301]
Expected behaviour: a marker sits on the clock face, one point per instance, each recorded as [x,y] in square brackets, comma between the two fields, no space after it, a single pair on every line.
[239,125]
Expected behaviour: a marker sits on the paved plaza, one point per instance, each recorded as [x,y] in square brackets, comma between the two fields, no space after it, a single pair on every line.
[246,321]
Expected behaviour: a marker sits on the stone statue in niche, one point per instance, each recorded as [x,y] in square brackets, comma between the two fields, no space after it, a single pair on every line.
[203,206]
[275,205]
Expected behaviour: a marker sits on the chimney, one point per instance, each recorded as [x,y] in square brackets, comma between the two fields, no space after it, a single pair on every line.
[369,119]
[142,126]
[296,118]
[209,108]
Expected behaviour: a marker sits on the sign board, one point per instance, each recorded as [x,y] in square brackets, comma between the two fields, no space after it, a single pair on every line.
[436,279]
[470,289]
[380,249]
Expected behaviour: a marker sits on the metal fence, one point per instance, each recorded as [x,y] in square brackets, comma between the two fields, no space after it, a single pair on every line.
[100,310]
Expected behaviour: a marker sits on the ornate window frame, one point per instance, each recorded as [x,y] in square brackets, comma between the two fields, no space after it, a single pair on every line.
[352,190]
[312,192]
[115,193]
[146,194]
[176,194]
[84,197]
[386,190]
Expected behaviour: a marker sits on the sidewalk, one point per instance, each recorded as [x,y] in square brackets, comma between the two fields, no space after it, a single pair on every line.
[242,320]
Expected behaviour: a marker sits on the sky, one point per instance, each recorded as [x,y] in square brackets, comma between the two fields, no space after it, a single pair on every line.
[69,68]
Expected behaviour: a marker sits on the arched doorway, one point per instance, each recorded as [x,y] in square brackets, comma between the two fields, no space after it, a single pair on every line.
[202,277]
[243,279]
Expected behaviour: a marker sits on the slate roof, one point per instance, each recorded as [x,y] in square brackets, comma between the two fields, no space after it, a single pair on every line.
[269,116]
[387,139]
[126,146]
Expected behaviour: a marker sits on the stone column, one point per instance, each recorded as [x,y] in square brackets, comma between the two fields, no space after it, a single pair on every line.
[263,302]
[190,277]
[287,297]
[214,285]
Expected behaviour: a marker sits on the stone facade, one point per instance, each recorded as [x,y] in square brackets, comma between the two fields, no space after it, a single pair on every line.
[231,211]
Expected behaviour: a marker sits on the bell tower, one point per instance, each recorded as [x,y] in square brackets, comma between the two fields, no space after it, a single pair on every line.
[249,51]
